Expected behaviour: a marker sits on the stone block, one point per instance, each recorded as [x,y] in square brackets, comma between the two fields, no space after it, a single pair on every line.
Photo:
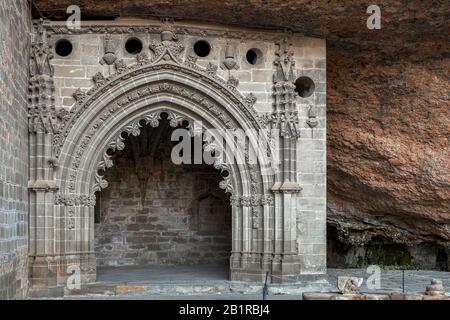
[438,297]
[397,296]
[70,72]
[370,296]
[317,295]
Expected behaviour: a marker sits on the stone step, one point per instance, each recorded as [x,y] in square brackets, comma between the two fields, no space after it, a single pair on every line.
[194,288]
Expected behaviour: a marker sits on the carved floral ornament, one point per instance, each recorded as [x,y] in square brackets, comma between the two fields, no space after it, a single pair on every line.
[71,200]
[132,97]
[153,118]
[255,201]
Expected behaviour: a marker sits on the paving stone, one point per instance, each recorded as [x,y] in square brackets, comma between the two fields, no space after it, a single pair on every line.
[426,297]
[124,289]
[377,297]
[318,296]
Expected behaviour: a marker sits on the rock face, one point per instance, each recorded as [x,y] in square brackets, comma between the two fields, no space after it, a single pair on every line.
[388,107]
[388,144]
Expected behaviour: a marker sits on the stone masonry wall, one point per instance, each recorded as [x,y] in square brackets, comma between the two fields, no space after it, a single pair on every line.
[78,68]
[176,215]
[15,23]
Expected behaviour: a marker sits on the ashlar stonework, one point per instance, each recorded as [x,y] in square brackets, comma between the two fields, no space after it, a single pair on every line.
[85,104]
[155,212]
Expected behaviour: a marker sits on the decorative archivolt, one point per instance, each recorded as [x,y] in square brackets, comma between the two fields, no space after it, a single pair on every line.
[153,118]
[84,100]
[185,81]
[132,97]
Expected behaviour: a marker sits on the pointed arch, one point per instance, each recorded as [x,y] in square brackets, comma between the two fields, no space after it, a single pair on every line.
[118,101]
[122,103]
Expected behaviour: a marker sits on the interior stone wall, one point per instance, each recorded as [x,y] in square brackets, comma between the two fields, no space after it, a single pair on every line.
[155,212]
[15,24]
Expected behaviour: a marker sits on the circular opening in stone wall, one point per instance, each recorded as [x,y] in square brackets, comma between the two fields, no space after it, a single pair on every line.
[202,48]
[63,47]
[304,86]
[253,56]
[133,46]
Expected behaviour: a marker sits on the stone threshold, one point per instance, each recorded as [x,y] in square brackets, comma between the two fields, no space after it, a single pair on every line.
[184,288]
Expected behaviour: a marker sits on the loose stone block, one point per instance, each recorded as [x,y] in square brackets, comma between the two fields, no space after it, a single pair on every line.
[317,296]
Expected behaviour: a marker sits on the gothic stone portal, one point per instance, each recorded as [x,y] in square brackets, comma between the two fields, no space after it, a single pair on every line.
[85,100]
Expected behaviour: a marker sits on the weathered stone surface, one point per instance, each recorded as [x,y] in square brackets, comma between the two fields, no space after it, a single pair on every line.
[388,145]
[348,296]
[377,297]
[410,296]
[440,297]
[317,295]
[391,296]
[119,93]
[347,285]
[397,296]
[157,213]
[127,289]
[388,110]
[319,18]
[14,39]
[435,288]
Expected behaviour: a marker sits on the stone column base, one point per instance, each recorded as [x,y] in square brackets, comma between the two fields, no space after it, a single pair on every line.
[50,274]
[254,267]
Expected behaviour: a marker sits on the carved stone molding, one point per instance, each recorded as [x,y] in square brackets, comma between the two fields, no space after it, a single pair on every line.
[85,99]
[47,119]
[110,51]
[285,116]
[312,117]
[252,201]
[287,122]
[70,221]
[41,53]
[142,93]
[71,200]
[169,49]
[167,56]
[255,203]
[133,128]
[43,116]
[229,62]
[86,28]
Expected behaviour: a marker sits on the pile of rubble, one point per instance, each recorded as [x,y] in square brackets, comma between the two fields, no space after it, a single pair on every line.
[349,290]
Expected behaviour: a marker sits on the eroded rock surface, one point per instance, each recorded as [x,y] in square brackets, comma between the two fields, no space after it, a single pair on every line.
[388,144]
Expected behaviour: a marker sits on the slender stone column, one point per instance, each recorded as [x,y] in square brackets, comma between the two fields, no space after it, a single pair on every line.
[44,122]
[285,125]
